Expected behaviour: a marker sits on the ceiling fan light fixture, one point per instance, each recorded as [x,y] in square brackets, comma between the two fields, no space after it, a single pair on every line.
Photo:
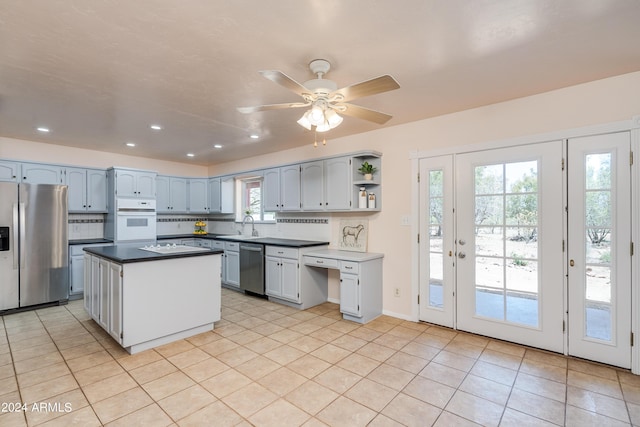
[304,120]
[333,118]
[316,115]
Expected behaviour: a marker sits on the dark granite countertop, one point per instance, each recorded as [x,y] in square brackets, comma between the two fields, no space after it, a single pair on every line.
[124,254]
[89,241]
[275,241]
[188,236]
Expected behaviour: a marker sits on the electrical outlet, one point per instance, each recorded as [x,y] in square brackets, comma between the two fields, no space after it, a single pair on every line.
[179,225]
[396,292]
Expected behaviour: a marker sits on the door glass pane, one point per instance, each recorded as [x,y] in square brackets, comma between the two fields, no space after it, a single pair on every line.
[506,242]
[436,258]
[598,231]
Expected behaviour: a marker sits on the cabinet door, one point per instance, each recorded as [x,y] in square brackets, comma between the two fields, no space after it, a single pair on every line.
[95,288]
[311,179]
[126,183]
[290,281]
[115,301]
[233,268]
[227,192]
[198,196]
[337,179]
[103,286]
[214,195]
[146,185]
[178,194]
[271,190]
[163,201]
[76,274]
[96,190]
[77,189]
[349,294]
[290,188]
[88,295]
[272,276]
[34,173]
[9,171]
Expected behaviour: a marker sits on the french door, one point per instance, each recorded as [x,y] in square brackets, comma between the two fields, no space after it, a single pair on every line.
[599,273]
[511,244]
[436,227]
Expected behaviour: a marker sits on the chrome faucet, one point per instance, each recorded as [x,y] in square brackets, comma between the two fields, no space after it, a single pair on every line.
[254,232]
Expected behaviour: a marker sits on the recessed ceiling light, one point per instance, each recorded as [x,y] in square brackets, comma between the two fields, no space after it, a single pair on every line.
[130,144]
[217,146]
[156,127]
[43,129]
[190,155]
[254,136]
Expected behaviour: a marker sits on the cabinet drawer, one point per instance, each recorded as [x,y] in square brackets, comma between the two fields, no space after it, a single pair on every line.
[232,246]
[321,262]
[217,244]
[281,252]
[349,267]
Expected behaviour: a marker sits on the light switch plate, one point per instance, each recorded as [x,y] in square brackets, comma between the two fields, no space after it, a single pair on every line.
[405,220]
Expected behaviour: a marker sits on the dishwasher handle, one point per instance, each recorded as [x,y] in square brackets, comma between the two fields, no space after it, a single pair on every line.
[251,248]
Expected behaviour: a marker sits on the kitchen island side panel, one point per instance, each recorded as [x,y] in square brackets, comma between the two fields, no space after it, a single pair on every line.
[167,297]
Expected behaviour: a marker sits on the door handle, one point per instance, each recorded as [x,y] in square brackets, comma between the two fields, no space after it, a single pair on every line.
[23,259]
[462,255]
[15,236]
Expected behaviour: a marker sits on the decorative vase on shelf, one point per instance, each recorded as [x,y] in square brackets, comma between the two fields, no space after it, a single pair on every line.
[367,169]
[362,198]
[368,176]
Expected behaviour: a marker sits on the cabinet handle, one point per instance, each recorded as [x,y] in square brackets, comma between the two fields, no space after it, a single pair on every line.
[348,268]
[320,262]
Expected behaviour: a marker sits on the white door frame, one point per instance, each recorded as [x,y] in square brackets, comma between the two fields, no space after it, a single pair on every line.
[632,124]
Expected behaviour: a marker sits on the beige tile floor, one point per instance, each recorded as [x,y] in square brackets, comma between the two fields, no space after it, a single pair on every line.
[268,365]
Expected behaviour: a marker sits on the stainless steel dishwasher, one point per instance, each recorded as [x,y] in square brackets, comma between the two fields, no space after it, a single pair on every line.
[252,268]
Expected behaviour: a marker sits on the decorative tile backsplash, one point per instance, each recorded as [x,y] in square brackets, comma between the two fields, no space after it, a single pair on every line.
[82,226]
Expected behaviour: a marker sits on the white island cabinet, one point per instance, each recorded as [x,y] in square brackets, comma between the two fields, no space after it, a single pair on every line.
[144,299]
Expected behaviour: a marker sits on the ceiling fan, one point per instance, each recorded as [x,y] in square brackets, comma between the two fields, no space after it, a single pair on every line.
[325,99]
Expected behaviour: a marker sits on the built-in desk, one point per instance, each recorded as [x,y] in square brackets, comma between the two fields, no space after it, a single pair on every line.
[360,281]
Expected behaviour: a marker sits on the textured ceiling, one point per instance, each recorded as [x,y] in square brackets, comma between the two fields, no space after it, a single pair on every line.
[98,73]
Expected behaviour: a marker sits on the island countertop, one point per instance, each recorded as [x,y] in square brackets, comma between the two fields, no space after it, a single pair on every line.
[124,254]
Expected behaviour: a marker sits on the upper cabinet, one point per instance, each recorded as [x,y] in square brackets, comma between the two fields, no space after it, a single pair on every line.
[198,195]
[326,185]
[9,171]
[221,194]
[87,189]
[37,173]
[134,183]
[281,189]
[171,194]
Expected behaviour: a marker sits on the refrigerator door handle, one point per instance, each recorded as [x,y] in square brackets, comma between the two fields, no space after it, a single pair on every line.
[23,258]
[15,236]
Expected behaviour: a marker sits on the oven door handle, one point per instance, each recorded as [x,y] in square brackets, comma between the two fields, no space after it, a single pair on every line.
[250,248]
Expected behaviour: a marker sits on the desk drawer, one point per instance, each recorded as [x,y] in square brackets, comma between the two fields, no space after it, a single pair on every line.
[281,252]
[321,262]
[349,267]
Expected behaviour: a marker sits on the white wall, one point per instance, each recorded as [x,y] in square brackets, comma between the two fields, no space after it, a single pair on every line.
[597,102]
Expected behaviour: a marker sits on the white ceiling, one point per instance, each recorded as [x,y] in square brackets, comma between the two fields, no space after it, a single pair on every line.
[99,72]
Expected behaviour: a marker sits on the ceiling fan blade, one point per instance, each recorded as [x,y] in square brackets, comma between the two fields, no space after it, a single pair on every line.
[248,110]
[364,113]
[370,87]
[285,81]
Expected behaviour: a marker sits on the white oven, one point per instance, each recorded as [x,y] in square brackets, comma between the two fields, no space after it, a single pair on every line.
[135,220]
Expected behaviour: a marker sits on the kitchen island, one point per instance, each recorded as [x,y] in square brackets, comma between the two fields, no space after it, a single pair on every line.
[146,297]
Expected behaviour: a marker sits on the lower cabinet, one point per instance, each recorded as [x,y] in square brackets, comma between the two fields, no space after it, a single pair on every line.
[350,294]
[287,283]
[231,262]
[281,277]
[103,294]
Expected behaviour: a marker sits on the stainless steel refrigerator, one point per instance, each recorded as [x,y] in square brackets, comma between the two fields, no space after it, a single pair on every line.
[34,245]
